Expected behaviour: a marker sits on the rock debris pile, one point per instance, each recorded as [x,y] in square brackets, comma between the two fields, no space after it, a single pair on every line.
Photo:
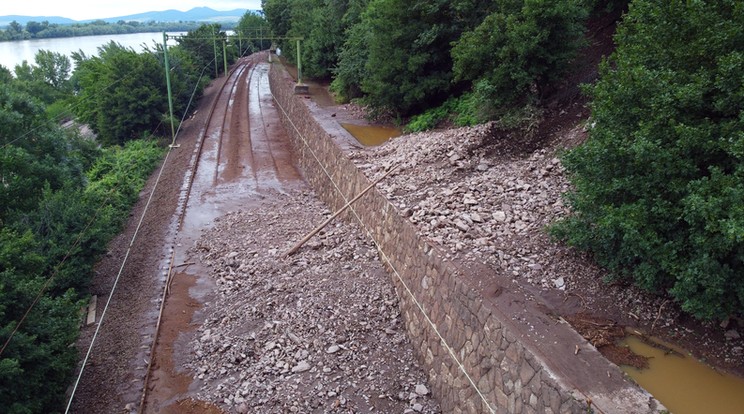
[486,197]
[480,200]
[319,331]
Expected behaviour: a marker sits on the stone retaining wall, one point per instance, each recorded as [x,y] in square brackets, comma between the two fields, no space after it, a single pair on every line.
[484,352]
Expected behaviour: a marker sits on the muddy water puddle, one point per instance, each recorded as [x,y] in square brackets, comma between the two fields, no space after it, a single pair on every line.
[371,135]
[682,383]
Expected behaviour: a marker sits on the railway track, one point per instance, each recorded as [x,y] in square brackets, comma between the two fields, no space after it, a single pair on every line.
[242,154]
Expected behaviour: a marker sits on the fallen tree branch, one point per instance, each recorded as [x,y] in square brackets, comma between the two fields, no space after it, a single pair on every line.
[325,223]
[658,315]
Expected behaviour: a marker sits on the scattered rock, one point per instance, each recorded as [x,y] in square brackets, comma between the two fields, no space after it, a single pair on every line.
[559,283]
[499,216]
[276,320]
[333,349]
[301,367]
[731,335]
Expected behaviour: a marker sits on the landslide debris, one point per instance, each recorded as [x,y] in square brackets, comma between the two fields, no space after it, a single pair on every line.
[319,331]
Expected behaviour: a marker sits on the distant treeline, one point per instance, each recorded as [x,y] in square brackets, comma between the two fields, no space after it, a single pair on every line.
[46,30]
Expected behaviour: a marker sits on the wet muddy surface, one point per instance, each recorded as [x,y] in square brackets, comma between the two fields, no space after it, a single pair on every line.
[681,382]
[371,135]
[233,157]
[245,153]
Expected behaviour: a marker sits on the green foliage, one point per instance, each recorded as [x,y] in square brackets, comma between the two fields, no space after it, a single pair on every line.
[60,111]
[352,56]
[117,176]
[659,186]
[46,30]
[408,65]
[205,47]
[326,36]
[462,111]
[62,198]
[35,153]
[278,13]
[188,80]
[37,365]
[55,221]
[255,32]
[321,24]
[46,80]
[62,237]
[122,94]
[52,67]
[520,48]
[404,57]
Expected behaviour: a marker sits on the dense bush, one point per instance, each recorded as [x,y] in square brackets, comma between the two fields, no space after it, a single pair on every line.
[121,93]
[408,65]
[59,241]
[659,185]
[520,48]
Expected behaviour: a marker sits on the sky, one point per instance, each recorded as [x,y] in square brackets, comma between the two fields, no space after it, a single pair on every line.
[100,9]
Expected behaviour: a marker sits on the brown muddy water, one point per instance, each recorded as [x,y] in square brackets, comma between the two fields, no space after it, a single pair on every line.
[682,383]
[371,135]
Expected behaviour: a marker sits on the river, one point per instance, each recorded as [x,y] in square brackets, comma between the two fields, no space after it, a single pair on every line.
[13,53]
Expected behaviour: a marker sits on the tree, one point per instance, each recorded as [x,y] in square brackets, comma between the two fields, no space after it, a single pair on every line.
[408,65]
[520,49]
[38,158]
[15,31]
[352,63]
[53,68]
[250,27]
[34,152]
[205,45]
[35,27]
[659,185]
[122,94]
[278,14]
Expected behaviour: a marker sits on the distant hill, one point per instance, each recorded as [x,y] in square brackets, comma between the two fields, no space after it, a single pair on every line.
[6,20]
[197,14]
